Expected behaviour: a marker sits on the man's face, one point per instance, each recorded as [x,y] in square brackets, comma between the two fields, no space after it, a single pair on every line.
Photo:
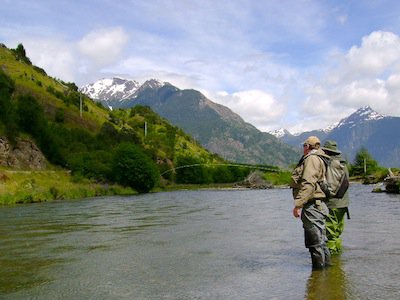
[306,149]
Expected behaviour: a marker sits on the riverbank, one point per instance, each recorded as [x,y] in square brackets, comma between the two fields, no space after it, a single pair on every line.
[41,186]
[48,185]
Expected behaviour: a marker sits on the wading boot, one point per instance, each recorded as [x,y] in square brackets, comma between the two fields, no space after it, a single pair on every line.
[317,257]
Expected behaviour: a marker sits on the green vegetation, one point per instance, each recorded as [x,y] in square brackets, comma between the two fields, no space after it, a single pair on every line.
[39,186]
[131,167]
[105,150]
[366,168]
[278,178]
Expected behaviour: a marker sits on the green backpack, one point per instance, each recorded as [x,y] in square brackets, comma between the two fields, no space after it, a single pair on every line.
[336,181]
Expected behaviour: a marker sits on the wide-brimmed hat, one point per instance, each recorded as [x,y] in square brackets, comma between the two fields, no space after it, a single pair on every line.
[331,146]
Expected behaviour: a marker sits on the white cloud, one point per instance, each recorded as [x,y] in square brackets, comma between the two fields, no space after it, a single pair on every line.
[377,53]
[254,106]
[103,46]
[56,57]
[368,74]
[265,54]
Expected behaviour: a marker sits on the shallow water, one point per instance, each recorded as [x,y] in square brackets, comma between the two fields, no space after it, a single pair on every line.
[194,245]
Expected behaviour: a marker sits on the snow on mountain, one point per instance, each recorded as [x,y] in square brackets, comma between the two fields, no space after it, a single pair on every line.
[330,128]
[363,114]
[153,84]
[111,89]
[279,132]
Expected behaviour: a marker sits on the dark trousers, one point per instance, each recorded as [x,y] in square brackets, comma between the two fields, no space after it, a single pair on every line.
[313,216]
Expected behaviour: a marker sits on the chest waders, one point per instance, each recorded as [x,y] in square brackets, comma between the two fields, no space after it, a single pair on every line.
[313,216]
[334,229]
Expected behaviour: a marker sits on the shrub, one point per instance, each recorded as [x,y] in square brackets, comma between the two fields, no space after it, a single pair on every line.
[95,164]
[191,170]
[278,178]
[131,167]
[7,111]
[364,164]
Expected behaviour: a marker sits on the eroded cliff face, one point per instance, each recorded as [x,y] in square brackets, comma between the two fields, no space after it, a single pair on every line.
[24,155]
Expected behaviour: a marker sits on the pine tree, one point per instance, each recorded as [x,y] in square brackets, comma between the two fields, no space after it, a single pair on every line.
[364,164]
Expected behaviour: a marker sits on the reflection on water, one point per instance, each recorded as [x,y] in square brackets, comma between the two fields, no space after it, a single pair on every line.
[193,245]
[329,283]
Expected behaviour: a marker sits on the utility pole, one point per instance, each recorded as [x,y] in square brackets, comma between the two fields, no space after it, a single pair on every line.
[365,166]
[80,104]
[145,129]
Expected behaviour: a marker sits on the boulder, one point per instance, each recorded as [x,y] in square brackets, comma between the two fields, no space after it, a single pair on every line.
[254,181]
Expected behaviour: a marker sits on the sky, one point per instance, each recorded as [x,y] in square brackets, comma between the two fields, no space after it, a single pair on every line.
[293,64]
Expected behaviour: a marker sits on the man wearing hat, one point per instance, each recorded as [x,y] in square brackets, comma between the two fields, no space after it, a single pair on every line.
[309,200]
[338,207]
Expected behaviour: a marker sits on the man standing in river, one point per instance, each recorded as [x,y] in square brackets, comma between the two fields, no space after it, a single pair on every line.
[309,200]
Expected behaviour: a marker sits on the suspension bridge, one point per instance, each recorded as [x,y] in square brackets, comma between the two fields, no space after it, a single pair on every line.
[264,168]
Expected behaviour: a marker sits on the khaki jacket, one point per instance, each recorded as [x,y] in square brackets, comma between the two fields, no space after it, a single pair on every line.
[305,177]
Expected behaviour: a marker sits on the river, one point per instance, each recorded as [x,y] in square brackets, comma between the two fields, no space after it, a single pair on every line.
[208,244]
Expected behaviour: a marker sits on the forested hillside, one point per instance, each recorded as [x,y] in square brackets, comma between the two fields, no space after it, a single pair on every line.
[131,147]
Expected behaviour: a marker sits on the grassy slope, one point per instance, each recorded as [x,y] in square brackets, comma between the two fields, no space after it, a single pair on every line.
[34,186]
[39,186]
[30,81]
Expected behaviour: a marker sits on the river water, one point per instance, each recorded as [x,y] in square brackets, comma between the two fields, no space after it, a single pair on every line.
[228,244]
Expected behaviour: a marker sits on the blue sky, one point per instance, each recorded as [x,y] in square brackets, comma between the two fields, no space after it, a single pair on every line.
[295,64]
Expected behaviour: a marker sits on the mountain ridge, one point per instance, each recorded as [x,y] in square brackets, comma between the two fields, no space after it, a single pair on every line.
[365,128]
[216,127]
[352,133]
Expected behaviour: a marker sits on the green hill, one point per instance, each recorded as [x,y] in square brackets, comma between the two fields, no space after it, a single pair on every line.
[129,147]
[215,126]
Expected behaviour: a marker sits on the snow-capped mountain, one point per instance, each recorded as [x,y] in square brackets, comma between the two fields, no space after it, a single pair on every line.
[279,133]
[185,108]
[214,126]
[115,92]
[363,114]
[111,89]
[363,128]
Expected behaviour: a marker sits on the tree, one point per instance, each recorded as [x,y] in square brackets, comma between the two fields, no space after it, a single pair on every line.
[363,164]
[20,54]
[31,119]
[131,167]
[31,115]
[7,111]
[94,164]
[191,170]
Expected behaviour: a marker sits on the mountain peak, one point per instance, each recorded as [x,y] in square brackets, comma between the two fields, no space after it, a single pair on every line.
[153,84]
[363,114]
[368,113]
[279,133]
[115,88]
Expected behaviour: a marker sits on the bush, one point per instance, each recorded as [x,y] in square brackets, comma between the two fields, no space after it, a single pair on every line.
[131,167]
[278,178]
[20,54]
[60,116]
[31,119]
[364,164]
[31,115]
[7,111]
[96,164]
[191,170]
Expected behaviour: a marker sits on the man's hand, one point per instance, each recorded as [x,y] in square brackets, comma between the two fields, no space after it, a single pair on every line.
[296,211]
